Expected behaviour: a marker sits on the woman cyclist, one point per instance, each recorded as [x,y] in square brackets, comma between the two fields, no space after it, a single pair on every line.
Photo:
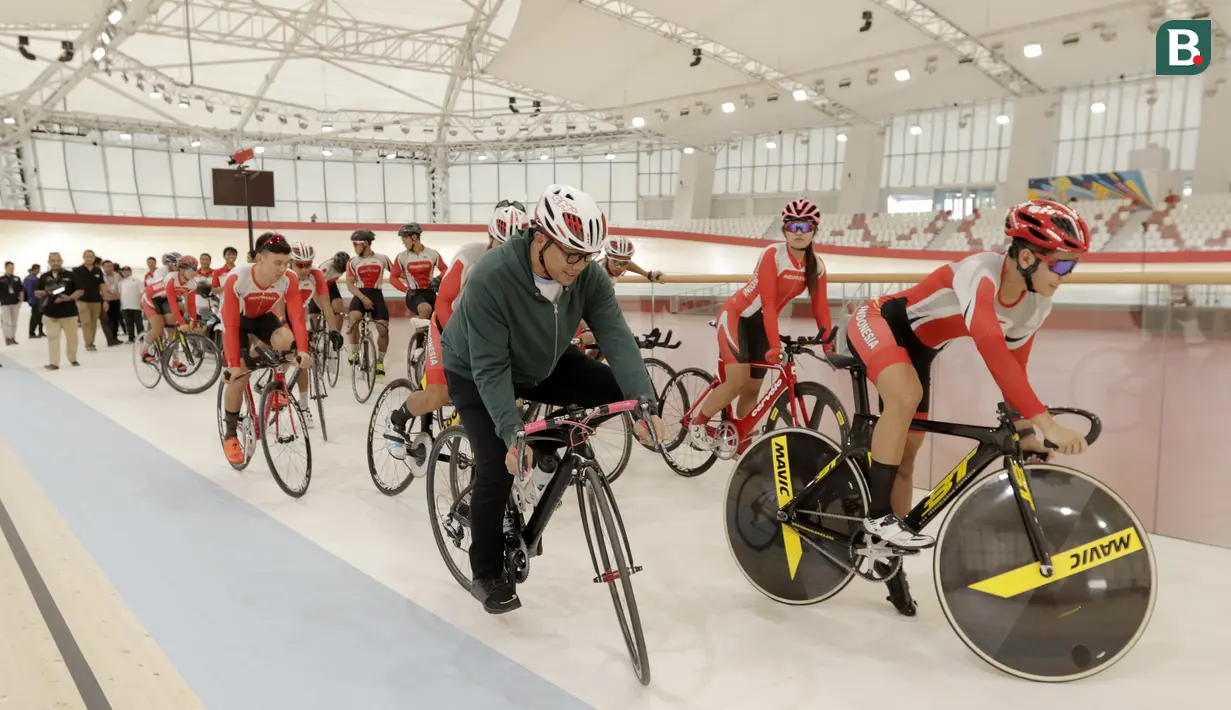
[997,299]
[748,322]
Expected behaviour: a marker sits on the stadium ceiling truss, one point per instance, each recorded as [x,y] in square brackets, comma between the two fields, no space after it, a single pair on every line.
[461,51]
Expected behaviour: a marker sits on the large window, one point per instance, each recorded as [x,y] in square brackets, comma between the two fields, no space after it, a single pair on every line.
[1099,125]
[967,145]
[658,171]
[475,187]
[807,160]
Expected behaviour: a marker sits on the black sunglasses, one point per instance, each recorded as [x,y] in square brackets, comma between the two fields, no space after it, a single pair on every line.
[511,203]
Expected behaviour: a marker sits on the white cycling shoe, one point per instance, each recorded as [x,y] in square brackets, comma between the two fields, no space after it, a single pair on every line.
[891,530]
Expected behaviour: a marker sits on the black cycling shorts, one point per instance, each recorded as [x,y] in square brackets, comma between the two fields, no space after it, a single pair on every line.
[415,296]
[334,295]
[750,344]
[380,310]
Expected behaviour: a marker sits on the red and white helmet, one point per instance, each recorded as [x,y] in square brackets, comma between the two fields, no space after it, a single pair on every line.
[618,247]
[506,221]
[800,210]
[302,251]
[572,218]
[1048,225]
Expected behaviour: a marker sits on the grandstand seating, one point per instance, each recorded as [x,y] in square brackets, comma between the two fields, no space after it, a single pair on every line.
[1198,223]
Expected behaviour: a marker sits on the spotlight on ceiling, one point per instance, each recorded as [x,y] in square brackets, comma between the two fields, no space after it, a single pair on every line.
[611,156]
[126,136]
[841,137]
[770,145]
[689,150]
[728,107]
[902,75]
[696,57]
[258,149]
[326,127]
[115,15]
[638,122]
[326,152]
[1002,119]
[195,143]
[916,130]
[544,156]
[184,104]
[800,94]
[1032,50]
[1098,107]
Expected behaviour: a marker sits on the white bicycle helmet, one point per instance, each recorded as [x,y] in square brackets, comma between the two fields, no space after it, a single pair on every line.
[302,251]
[618,247]
[572,218]
[506,221]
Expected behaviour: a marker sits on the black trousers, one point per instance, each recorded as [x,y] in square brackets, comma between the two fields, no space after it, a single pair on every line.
[577,380]
[132,323]
[36,319]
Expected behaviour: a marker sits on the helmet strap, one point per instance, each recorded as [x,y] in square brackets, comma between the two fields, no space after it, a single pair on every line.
[1028,273]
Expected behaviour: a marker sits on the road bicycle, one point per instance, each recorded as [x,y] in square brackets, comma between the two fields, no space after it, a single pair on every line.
[363,359]
[785,404]
[1043,571]
[528,512]
[320,345]
[189,361]
[280,423]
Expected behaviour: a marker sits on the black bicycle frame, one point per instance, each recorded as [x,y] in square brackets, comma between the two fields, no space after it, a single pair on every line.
[1002,441]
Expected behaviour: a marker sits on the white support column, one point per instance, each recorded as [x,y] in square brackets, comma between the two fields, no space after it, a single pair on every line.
[696,189]
[861,171]
[1033,150]
[1212,171]
[438,185]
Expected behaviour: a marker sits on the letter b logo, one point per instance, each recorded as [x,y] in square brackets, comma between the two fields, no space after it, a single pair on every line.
[1183,47]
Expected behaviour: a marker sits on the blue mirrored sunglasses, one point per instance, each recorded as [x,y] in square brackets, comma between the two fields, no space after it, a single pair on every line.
[804,227]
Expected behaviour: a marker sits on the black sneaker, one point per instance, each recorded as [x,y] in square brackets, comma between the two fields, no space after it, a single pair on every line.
[899,593]
[497,595]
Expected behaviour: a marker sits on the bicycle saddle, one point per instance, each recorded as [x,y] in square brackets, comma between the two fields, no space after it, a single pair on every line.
[845,362]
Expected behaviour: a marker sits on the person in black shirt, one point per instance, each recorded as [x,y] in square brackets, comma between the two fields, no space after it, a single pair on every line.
[11,294]
[58,292]
[90,306]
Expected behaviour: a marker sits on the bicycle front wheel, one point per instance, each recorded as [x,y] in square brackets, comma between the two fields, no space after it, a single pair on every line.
[333,362]
[680,396]
[1077,622]
[149,374]
[450,475]
[316,384]
[612,559]
[191,364]
[245,428]
[363,370]
[284,436]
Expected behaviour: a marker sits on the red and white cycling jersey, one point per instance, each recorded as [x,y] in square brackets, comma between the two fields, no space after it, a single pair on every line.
[315,285]
[411,270]
[157,275]
[455,279]
[963,300]
[219,275]
[777,280]
[368,270]
[603,265]
[172,289]
[243,297]
[331,273]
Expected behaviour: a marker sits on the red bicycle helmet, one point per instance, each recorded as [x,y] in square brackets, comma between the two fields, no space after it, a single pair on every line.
[800,210]
[1048,225]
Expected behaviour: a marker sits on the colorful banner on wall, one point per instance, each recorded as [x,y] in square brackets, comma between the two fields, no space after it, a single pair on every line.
[1126,184]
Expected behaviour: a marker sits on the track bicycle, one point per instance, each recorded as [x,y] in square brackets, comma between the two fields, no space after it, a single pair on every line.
[1043,571]
[363,359]
[393,473]
[280,423]
[783,405]
[189,361]
[528,512]
[416,356]
[321,347]
[330,353]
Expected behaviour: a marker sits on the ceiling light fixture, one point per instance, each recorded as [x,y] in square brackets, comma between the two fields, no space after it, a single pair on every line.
[98,53]
[915,130]
[1032,50]
[126,136]
[1098,107]
[195,143]
[841,137]
[689,150]
[259,149]
[115,16]
[902,75]
[728,107]
[1002,119]
[10,120]
[770,145]
[544,156]
[184,103]
[482,157]
[326,127]
[611,156]
[326,152]
[638,122]
[800,94]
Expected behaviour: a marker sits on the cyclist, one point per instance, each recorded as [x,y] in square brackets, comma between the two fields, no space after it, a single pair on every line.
[333,270]
[364,274]
[416,264]
[748,321]
[509,337]
[249,295]
[617,259]
[313,289]
[159,275]
[999,300]
[161,303]
[506,221]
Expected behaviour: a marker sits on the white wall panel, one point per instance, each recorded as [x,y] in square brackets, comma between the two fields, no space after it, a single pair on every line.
[87,162]
[369,213]
[342,212]
[539,174]
[339,181]
[307,209]
[513,182]
[153,171]
[95,203]
[154,206]
[418,182]
[186,174]
[596,180]
[120,176]
[623,181]
[484,187]
[400,187]
[309,182]
[190,208]
[58,201]
[567,173]
[50,158]
[369,183]
[459,183]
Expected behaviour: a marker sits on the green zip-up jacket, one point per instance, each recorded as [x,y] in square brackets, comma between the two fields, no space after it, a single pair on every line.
[505,334]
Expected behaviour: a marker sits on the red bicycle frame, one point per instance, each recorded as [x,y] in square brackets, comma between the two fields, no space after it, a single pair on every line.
[785,381]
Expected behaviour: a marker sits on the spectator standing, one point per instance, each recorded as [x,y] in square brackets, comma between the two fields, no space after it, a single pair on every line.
[36,309]
[11,294]
[90,306]
[59,292]
[112,318]
[130,303]
[152,264]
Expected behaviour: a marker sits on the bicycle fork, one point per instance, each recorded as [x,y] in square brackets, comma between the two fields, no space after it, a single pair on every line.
[1030,517]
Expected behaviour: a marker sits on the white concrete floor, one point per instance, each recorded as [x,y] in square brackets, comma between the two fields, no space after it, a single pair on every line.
[714,642]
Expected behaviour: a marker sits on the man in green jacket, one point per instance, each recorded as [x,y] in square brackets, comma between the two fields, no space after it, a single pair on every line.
[510,336]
